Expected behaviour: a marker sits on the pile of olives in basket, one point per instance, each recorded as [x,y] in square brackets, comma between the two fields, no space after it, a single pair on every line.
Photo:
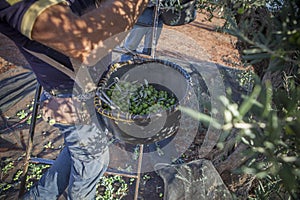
[138,99]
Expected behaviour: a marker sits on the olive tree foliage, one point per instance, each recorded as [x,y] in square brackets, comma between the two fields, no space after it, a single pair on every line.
[268,120]
[268,30]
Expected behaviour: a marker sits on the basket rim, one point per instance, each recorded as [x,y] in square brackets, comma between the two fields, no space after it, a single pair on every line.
[129,117]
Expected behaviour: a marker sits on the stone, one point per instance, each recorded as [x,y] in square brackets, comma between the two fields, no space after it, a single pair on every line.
[192,181]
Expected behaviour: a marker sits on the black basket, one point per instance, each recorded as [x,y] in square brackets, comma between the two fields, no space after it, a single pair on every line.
[180,16]
[148,128]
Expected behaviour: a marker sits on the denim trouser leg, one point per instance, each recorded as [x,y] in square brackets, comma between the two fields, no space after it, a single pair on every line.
[54,181]
[78,167]
[90,159]
[133,40]
[135,37]
[148,38]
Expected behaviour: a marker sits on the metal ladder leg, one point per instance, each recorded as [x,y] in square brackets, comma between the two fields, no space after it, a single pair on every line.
[30,139]
[139,167]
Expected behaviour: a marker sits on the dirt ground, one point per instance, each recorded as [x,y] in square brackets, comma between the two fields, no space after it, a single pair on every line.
[14,131]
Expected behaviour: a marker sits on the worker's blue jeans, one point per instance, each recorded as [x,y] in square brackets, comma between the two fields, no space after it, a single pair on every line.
[143,29]
[78,167]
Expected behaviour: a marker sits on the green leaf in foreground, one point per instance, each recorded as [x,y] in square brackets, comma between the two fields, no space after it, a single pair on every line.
[201,117]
